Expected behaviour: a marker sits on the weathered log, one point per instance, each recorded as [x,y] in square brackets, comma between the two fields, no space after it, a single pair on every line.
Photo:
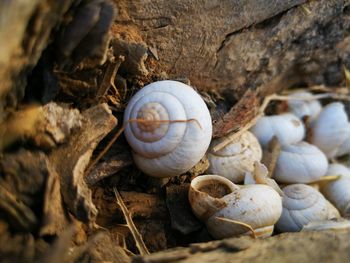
[71,159]
[332,246]
[235,45]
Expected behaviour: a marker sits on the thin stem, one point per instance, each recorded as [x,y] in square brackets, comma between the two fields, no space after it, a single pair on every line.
[163,121]
[239,223]
[135,233]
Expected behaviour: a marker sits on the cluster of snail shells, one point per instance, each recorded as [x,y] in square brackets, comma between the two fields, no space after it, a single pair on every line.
[169,129]
[300,163]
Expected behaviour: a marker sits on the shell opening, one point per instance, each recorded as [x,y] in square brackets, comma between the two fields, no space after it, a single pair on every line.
[215,189]
[214,185]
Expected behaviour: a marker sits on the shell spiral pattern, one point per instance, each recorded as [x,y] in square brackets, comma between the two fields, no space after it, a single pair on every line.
[173,130]
[303,204]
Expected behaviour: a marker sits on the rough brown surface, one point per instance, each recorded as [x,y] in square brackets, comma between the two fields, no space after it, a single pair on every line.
[72,159]
[325,246]
[223,45]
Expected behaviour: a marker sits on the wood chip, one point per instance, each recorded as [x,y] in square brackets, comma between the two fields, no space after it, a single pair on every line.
[71,159]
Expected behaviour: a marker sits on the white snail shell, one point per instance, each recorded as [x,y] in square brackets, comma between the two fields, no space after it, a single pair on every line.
[286,127]
[236,158]
[167,149]
[338,191]
[213,196]
[302,108]
[303,204]
[331,130]
[300,163]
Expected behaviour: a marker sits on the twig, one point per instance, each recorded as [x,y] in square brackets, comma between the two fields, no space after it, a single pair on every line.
[142,121]
[135,233]
[105,150]
[108,78]
[238,223]
[326,178]
[245,128]
[271,154]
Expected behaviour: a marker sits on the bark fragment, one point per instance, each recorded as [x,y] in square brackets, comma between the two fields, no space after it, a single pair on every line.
[72,158]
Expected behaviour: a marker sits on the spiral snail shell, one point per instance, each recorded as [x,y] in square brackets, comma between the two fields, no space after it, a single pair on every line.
[168,127]
[236,158]
[214,197]
[300,163]
[338,191]
[286,127]
[331,130]
[303,204]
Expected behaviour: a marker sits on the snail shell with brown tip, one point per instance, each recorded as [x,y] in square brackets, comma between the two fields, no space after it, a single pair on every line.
[338,191]
[214,197]
[235,159]
[331,130]
[300,163]
[168,127]
[303,204]
[286,127]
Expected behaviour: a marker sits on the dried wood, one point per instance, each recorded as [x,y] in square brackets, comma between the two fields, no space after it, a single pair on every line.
[109,76]
[108,168]
[23,179]
[55,218]
[60,121]
[289,247]
[17,247]
[239,115]
[135,233]
[25,29]
[142,205]
[71,159]
[271,155]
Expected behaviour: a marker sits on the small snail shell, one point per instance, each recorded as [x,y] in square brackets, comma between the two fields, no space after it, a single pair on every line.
[338,191]
[303,204]
[165,149]
[213,196]
[300,163]
[236,158]
[286,127]
[302,108]
[331,130]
